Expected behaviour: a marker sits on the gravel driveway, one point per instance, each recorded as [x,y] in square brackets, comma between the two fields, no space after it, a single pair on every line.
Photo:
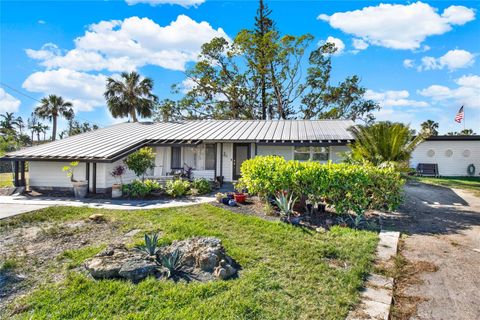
[443,228]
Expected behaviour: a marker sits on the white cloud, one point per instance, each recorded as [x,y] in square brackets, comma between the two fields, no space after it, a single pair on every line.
[183,3]
[8,103]
[359,44]
[41,21]
[408,63]
[130,44]
[398,26]
[466,93]
[452,60]
[335,41]
[394,98]
[84,90]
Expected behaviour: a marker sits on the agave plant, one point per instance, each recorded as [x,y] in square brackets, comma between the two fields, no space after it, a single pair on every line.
[172,265]
[151,244]
[285,203]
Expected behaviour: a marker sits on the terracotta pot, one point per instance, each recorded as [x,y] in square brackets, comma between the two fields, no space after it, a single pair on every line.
[116,190]
[240,197]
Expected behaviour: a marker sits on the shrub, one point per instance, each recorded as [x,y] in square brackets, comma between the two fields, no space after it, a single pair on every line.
[202,185]
[346,187]
[141,161]
[177,187]
[117,173]
[140,189]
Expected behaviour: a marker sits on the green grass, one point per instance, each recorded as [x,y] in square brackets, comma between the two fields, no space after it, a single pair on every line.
[6,179]
[467,183]
[285,271]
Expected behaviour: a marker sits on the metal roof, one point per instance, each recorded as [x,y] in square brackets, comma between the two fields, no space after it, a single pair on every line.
[111,143]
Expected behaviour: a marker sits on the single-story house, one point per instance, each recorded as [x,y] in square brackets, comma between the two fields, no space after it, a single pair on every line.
[213,149]
[451,154]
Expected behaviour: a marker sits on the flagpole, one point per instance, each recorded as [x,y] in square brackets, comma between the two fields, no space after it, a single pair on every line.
[464,119]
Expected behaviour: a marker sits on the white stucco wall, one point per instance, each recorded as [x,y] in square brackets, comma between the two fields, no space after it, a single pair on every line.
[282,151]
[50,174]
[454,165]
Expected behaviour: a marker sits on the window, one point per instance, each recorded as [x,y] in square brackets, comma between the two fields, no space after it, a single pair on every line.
[466,153]
[311,153]
[176,158]
[430,153]
[209,157]
[448,153]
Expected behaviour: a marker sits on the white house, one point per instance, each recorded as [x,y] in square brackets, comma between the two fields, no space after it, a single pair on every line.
[214,149]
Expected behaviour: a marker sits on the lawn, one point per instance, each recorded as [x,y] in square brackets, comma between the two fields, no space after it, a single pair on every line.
[6,179]
[287,272]
[467,183]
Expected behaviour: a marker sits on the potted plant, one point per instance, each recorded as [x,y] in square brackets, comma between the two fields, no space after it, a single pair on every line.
[240,197]
[79,186]
[117,174]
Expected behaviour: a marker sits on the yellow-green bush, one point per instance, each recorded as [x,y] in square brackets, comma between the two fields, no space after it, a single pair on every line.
[346,187]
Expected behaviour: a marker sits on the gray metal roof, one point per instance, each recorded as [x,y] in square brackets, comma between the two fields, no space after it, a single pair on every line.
[110,143]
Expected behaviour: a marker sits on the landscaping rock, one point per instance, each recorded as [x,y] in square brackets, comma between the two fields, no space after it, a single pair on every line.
[202,258]
[97,217]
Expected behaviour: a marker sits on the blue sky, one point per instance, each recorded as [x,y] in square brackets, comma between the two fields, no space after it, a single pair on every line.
[419,60]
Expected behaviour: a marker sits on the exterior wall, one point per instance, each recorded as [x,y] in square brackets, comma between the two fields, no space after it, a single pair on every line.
[456,164]
[49,174]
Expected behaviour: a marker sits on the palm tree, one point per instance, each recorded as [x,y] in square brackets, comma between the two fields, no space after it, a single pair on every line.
[37,128]
[430,127]
[44,129]
[130,96]
[384,142]
[53,107]
[9,122]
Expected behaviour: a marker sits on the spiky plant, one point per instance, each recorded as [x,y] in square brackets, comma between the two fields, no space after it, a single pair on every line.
[172,265]
[151,244]
[285,203]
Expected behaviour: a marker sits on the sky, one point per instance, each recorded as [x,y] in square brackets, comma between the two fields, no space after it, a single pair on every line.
[418,60]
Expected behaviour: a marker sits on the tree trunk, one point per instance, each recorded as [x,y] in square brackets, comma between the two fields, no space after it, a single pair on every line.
[133,115]
[54,128]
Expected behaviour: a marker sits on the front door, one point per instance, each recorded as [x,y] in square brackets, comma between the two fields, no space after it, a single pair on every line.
[241,152]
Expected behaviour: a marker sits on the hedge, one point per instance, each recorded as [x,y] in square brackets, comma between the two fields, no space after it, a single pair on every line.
[345,187]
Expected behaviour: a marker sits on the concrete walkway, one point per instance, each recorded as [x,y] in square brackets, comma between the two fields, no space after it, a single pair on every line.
[13,205]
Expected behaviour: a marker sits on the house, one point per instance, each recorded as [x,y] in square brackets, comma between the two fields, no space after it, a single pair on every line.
[213,148]
[452,154]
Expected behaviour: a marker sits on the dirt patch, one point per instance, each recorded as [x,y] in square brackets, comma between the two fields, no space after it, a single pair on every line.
[35,247]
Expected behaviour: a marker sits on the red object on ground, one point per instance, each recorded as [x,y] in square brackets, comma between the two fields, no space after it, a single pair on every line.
[240,197]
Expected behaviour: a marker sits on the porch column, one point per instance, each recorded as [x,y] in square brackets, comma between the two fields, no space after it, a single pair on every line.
[221,160]
[22,174]
[16,182]
[87,175]
[94,178]
[255,154]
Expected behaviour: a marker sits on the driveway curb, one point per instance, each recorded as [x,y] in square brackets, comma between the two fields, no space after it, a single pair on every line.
[377,294]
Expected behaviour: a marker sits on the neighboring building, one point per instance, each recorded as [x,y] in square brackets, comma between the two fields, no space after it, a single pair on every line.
[452,154]
[213,148]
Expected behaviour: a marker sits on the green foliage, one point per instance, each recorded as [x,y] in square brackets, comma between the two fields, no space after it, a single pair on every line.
[140,189]
[430,127]
[70,169]
[51,108]
[177,187]
[202,185]
[141,161]
[383,143]
[8,264]
[346,187]
[285,203]
[151,244]
[172,266]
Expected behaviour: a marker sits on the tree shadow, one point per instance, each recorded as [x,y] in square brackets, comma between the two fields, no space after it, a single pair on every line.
[429,209]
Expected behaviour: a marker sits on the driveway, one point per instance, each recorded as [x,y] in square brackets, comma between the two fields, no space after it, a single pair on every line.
[9,210]
[443,228]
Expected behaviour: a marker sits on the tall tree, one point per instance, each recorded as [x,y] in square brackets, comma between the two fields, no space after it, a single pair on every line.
[51,108]
[9,122]
[384,142]
[430,127]
[326,101]
[130,96]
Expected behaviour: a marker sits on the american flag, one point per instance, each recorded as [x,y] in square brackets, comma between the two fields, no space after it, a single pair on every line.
[459,116]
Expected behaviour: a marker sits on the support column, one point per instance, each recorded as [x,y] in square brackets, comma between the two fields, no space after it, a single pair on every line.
[94,178]
[221,161]
[23,183]
[16,182]
[87,175]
